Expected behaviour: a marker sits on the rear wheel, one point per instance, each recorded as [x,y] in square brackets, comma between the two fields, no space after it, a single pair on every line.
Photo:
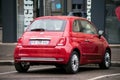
[22,66]
[106,63]
[73,64]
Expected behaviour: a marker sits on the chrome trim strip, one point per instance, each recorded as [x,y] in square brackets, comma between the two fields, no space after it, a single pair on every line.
[40,59]
[41,38]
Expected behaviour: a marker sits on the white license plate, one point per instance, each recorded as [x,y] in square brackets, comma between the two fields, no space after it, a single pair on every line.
[39,42]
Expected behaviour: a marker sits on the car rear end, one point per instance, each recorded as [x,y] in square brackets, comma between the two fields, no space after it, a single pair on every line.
[43,42]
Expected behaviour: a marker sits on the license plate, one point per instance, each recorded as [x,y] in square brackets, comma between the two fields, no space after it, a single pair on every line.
[39,42]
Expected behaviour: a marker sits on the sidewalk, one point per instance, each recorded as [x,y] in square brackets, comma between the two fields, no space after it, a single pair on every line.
[6,53]
[115,49]
[7,50]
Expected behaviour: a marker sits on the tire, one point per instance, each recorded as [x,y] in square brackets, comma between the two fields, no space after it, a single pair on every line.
[106,63]
[73,65]
[22,67]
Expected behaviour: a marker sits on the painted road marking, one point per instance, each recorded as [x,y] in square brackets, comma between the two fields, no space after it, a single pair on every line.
[103,76]
[10,72]
[7,72]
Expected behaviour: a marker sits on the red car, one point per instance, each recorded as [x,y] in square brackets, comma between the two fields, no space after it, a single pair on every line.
[64,41]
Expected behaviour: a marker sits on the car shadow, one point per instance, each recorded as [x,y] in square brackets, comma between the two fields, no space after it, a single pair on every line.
[61,71]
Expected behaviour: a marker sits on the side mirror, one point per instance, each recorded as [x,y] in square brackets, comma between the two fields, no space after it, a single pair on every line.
[100,33]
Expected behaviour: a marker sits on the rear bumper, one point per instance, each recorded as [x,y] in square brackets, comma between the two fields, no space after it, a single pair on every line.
[40,59]
[47,55]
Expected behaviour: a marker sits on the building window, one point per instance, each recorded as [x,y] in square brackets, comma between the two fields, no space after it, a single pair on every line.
[56,5]
[76,6]
[112,29]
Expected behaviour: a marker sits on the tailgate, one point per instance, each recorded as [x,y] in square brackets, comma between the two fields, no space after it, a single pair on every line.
[41,38]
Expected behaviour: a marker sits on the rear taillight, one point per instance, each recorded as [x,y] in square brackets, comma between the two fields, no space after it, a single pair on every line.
[19,44]
[62,41]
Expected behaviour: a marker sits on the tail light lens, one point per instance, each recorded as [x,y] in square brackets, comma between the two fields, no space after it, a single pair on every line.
[62,41]
[19,44]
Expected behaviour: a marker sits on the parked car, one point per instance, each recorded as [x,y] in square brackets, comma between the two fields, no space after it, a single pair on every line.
[64,41]
[78,14]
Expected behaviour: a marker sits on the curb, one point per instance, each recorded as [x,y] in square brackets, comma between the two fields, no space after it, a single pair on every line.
[11,62]
[8,44]
[115,63]
[6,62]
[114,45]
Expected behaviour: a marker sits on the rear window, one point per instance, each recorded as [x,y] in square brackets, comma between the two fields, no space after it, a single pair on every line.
[47,25]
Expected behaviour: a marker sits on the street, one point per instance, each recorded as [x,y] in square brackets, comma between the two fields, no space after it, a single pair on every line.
[16,15]
[44,72]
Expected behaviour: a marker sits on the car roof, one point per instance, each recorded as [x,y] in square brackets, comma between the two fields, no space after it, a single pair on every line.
[60,17]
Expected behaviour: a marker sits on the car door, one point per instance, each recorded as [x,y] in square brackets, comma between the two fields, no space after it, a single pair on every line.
[92,46]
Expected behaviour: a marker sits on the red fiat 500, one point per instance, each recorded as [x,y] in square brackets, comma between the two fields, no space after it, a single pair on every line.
[63,41]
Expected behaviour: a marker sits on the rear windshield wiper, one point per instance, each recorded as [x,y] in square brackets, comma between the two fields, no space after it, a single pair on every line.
[38,29]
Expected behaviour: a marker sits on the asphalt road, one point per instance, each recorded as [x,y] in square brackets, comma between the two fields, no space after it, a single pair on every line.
[52,73]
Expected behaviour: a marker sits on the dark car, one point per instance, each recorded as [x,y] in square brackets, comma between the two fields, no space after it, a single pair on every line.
[78,14]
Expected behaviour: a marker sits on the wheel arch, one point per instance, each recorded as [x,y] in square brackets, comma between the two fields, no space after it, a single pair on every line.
[106,61]
[78,51]
[108,49]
